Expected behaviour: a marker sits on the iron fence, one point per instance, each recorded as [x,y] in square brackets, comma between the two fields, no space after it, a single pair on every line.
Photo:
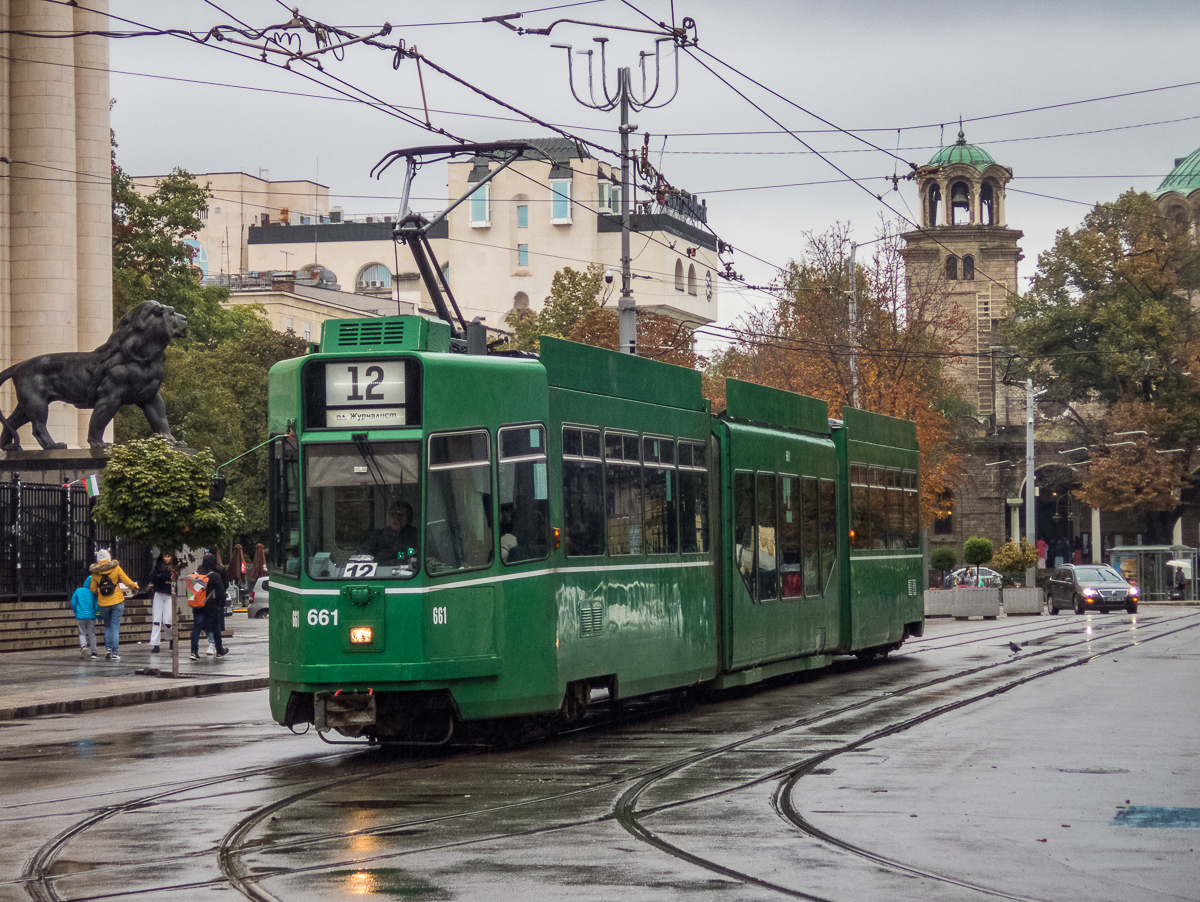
[49,540]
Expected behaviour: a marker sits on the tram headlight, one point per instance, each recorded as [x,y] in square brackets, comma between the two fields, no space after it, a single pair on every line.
[361,635]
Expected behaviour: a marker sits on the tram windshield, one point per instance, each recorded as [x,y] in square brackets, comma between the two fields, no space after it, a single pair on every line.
[359,505]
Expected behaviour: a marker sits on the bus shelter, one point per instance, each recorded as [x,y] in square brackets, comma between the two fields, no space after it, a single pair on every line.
[1161,572]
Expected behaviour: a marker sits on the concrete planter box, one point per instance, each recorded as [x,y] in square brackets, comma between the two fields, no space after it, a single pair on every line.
[1022,601]
[976,601]
[962,601]
[939,602]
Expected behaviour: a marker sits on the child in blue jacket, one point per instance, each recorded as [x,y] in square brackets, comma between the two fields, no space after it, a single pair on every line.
[83,603]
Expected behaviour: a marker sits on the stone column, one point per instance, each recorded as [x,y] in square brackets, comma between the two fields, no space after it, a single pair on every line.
[7,398]
[1096,536]
[44,246]
[93,199]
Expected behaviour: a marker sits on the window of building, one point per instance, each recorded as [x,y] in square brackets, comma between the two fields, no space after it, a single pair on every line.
[308,331]
[945,526]
[522,255]
[679,275]
[692,279]
[289,324]
[951,268]
[968,272]
[524,515]
[583,492]
[522,216]
[204,213]
[481,207]
[520,301]
[373,276]
[604,202]
[933,205]
[560,201]
[987,204]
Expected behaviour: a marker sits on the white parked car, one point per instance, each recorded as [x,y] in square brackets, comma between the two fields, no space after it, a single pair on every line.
[987,577]
[259,597]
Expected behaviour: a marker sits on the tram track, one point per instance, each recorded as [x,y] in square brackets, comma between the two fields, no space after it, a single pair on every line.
[234,852]
[631,818]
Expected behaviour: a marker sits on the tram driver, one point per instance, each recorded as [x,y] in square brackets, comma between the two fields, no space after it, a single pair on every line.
[398,540]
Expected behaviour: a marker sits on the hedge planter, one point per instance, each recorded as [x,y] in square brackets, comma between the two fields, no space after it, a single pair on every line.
[1022,601]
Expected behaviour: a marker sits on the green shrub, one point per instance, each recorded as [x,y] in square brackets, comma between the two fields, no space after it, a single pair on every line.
[1012,560]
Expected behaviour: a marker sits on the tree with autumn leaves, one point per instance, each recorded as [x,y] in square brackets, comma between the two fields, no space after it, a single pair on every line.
[1109,327]
[576,309]
[905,335]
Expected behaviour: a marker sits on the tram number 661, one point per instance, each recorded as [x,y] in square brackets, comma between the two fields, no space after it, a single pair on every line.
[439,615]
[322,617]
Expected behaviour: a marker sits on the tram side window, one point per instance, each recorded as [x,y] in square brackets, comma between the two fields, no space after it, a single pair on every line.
[812,548]
[791,573]
[743,528]
[860,508]
[583,492]
[895,509]
[829,529]
[285,505]
[767,551]
[912,511]
[458,507]
[661,487]
[358,510]
[879,517]
[693,498]
[623,493]
[524,515]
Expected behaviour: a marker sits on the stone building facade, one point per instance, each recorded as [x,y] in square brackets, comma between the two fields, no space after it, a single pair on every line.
[55,205]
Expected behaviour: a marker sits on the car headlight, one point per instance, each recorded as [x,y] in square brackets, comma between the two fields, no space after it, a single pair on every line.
[1089,593]
[1133,590]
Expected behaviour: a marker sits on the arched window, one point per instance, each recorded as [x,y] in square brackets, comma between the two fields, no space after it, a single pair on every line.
[933,204]
[945,526]
[520,301]
[968,268]
[951,268]
[679,275]
[372,277]
[692,279]
[987,204]
[319,274]
[960,203]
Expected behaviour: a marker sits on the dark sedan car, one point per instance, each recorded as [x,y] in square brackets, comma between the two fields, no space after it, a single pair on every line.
[1090,587]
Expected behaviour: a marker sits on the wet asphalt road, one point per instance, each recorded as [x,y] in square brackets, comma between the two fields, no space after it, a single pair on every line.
[959,769]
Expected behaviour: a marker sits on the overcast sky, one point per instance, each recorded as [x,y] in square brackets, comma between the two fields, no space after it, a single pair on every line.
[898,74]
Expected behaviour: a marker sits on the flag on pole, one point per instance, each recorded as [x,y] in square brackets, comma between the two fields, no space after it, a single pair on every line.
[92,484]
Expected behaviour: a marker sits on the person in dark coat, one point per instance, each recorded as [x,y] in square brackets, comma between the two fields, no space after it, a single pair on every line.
[214,606]
[162,607]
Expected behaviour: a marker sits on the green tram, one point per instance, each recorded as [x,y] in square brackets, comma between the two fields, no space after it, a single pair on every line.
[465,537]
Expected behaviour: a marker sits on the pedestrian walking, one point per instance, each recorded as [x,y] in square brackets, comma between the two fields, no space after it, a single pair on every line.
[162,608]
[107,580]
[209,616]
[83,603]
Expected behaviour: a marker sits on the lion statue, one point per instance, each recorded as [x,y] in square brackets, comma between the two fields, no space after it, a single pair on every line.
[126,369]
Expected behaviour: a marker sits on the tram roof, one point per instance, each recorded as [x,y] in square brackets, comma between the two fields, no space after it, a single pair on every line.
[775,407]
[599,371]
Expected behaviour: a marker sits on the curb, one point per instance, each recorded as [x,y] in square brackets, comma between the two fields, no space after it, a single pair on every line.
[123,699]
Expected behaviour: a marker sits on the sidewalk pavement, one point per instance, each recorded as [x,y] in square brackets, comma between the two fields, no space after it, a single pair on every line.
[56,681]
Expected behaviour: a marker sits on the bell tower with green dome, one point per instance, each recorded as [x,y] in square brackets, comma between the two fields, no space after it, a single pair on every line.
[1179,194]
[964,255]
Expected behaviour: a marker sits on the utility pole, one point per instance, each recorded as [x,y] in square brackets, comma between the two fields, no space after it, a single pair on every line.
[624,99]
[853,317]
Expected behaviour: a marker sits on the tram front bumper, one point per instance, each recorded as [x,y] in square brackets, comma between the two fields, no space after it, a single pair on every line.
[349,713]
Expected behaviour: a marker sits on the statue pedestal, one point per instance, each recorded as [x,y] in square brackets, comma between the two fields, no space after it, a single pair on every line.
[58,466]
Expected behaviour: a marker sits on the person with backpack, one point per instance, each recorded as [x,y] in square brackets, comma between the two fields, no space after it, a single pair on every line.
[107,579]
[83,603]
[207,600]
